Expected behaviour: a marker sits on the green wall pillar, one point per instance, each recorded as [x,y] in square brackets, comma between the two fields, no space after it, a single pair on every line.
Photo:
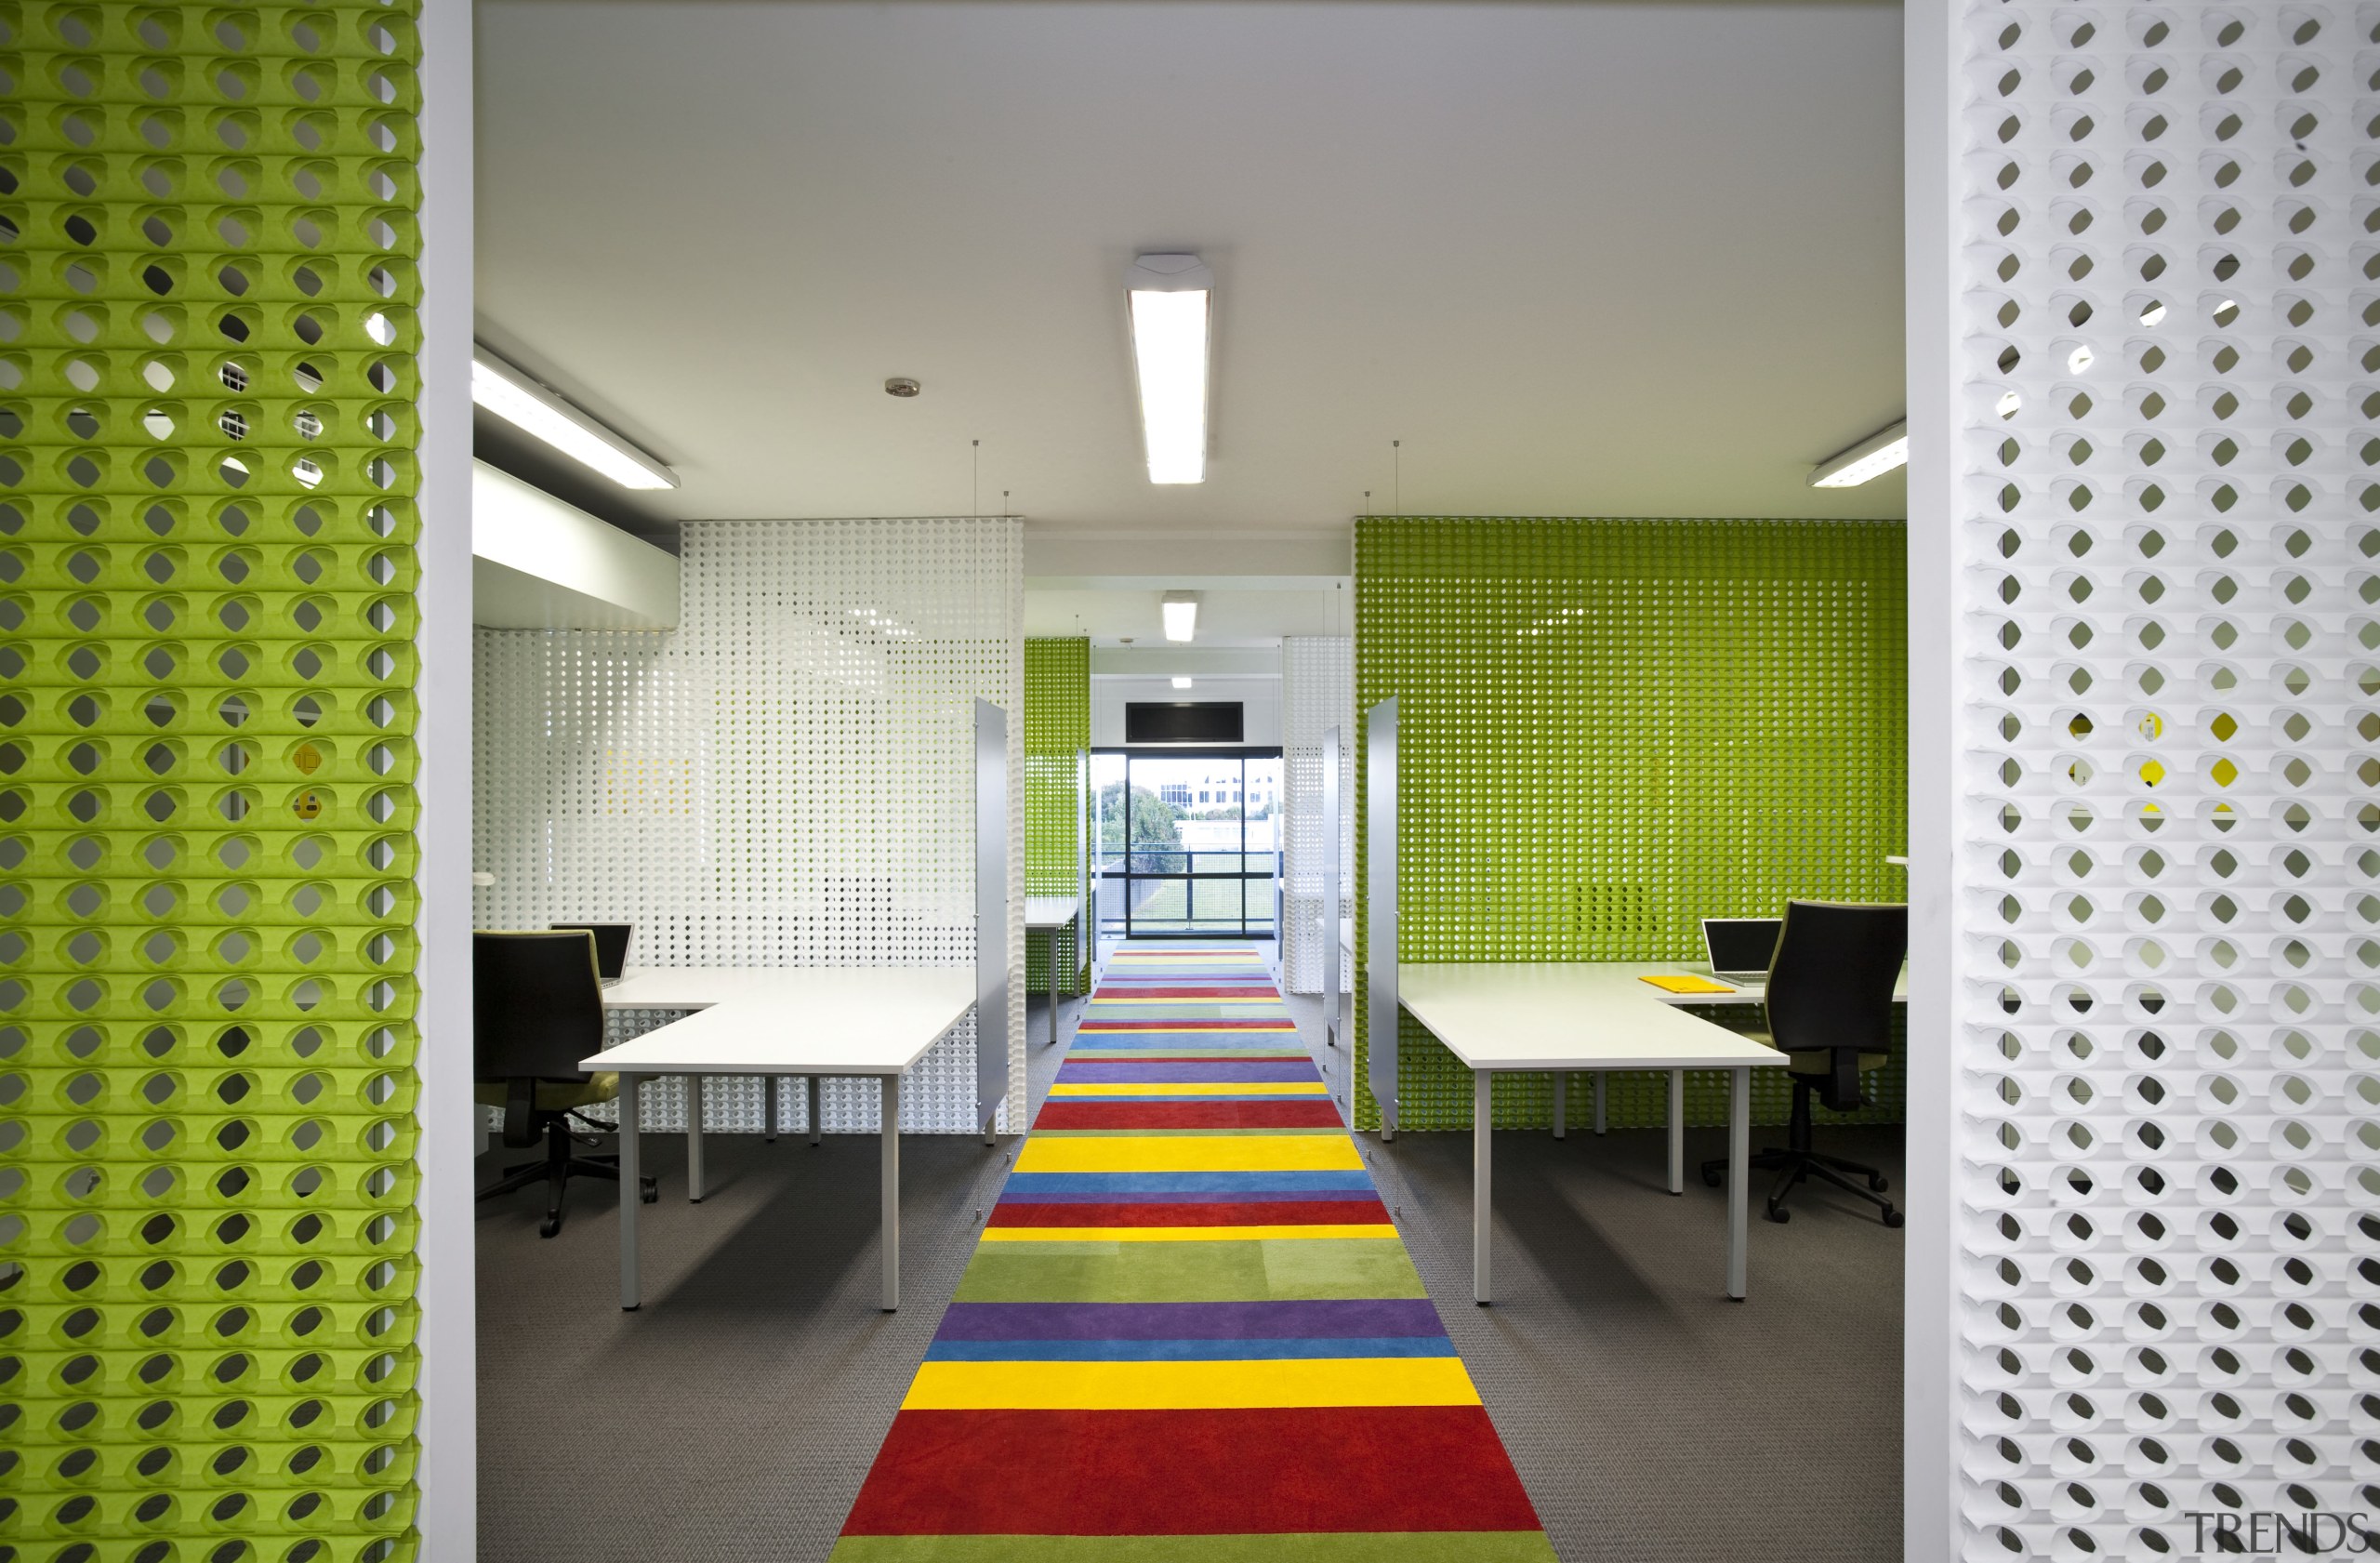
[207,425]
[1057,797]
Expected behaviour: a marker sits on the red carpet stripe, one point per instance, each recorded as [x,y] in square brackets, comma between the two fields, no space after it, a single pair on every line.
[1106,1473]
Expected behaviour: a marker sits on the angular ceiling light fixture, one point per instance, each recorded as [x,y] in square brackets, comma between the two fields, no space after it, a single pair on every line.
[1181,611]
[1871,457]
[513,396]
[1170,298]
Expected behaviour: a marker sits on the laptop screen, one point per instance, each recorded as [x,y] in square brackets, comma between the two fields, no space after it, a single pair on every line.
[611,945]
[1740,944]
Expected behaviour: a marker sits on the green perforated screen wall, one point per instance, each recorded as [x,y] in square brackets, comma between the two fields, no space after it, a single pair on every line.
[1057,777]
[207,392]
[1610,729]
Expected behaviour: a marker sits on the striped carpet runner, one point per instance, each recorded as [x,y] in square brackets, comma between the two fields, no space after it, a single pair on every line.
[1190,1333]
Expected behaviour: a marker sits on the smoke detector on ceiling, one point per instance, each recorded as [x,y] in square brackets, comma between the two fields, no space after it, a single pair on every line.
[902,385]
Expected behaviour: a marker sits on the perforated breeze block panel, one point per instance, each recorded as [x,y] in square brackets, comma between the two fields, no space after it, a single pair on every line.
[2167,1062]
[1317,694]
[207,1032]
[784,780]
[1611,729]
[1057,783]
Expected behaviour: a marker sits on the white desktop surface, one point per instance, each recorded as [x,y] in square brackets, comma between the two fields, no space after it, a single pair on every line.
[1569,1016]
[1042,912]
[787,1020]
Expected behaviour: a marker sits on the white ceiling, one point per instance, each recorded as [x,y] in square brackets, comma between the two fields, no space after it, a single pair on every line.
[1581,257]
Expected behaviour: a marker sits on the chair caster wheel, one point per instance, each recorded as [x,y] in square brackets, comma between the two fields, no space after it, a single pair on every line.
[1879,1183]
[1891,1216]
[1710,1177]
[549,1226]
[1779,1215]
[648,1190]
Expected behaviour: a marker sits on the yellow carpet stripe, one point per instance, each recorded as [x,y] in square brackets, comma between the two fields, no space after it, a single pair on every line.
[1345,1381]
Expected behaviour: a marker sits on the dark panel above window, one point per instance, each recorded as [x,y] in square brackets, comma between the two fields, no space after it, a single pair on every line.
[1183,721]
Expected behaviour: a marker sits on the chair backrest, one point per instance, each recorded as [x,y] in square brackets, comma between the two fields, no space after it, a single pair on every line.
[611,945]
[536,1005]
[1830,981]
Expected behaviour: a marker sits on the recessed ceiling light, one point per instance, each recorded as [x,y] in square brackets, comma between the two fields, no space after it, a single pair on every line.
[1168,297]
[1181,683]
[1871,457]
[513,396]
[1180,613]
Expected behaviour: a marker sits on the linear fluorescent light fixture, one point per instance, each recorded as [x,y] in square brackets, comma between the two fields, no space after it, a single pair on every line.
[1170,298]
[1871,457]
[513,396]
[1180,683]
[1181,611]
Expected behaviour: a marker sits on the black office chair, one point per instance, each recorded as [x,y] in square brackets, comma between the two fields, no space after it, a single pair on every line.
[611,945]
[1829,1001]
[536,1009]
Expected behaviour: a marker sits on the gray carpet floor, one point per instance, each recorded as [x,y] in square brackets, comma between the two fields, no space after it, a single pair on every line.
[734,1417]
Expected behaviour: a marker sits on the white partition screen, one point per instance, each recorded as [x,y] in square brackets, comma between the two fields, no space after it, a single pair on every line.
[1317,694]
[2167,1072]
[1380,912]
[786,779]
[996,916]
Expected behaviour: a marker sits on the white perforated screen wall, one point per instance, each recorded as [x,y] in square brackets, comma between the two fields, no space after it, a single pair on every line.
[2167,1067]
[786,779]
[1317,694]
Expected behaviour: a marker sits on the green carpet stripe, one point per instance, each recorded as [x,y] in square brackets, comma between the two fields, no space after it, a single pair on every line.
[1242,1272]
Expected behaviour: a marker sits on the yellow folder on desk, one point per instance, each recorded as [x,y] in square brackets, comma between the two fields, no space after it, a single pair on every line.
[1684,983]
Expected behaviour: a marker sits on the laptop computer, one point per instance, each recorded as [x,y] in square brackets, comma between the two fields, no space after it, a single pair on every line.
[611,946]
[1740,948]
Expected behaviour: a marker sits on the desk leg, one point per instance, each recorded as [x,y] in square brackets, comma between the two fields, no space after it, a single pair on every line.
[1677,1130]
[1053,988]
[1561,1102]
[769,1108]
[891,1112]
[1739,1176]
[1599,1074]
[632,1186]
[1483,1150]
[817,1133]
[695,1139]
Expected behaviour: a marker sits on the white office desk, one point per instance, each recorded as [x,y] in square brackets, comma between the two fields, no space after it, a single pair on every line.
[1048,914]
[1563,1018]
[808,1021]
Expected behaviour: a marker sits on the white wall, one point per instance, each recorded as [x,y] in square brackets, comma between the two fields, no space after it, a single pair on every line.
[1931,1492]
[538,563]
[1259,697]
[448,1473]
